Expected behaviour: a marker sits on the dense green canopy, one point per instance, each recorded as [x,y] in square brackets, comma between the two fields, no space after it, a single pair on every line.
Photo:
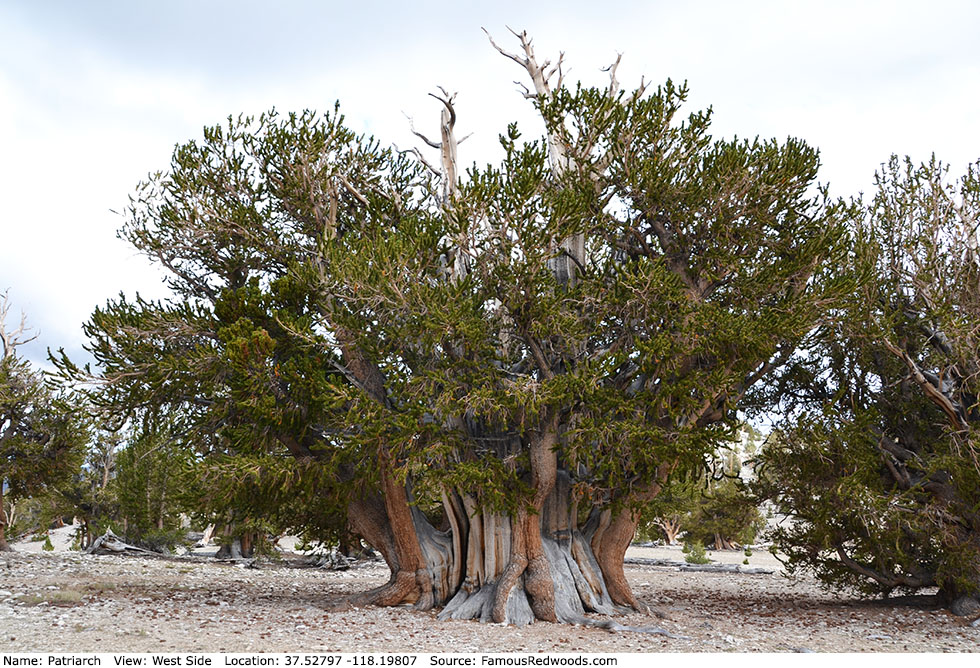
[879,459]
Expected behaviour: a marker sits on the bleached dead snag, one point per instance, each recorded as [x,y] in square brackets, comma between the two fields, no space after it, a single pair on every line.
[208,535]
[447,147]
[725,568]
[541,75]
[703,568]
[448,174]
[546,78]
[110,543]
[11,339]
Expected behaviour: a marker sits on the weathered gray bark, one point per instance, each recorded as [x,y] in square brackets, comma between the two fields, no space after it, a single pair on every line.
[110,543]
[236,544]
[10,339]
[208,535]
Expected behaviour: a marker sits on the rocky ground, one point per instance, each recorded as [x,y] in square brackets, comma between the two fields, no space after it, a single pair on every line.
[64,601]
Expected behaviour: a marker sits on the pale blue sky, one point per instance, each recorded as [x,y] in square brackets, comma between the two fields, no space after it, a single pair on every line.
[94,95]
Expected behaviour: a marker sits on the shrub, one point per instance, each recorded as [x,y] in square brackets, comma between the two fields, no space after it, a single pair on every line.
[161,540]
[695,553]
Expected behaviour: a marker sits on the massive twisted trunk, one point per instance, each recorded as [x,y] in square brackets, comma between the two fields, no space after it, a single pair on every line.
[533,564]
[494,567]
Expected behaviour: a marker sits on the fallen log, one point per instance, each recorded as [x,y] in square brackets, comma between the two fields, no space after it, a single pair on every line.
[725,568]
[705,568]
[110,543]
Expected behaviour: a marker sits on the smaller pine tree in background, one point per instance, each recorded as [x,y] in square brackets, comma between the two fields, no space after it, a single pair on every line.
[709,501]
[694,553]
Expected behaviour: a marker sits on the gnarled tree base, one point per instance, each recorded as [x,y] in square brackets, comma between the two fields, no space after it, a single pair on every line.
[536,564]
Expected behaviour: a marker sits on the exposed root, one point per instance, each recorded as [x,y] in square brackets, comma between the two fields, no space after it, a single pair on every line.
[480,605]
[541,589]
[653,630]
[466,605]
[657,612]
[426,597]
[508,600]
[576,573]
[505,586]
[402,588]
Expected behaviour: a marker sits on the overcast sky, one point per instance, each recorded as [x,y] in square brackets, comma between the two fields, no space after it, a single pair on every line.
[94,96]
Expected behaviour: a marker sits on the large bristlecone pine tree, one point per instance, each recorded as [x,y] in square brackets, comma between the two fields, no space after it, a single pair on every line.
[484,375]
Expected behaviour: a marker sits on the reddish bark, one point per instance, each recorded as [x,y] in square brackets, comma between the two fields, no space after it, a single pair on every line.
[609,546]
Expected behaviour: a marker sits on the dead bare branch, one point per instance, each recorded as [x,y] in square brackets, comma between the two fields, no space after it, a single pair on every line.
[613,89]
[418,154]
[16,337]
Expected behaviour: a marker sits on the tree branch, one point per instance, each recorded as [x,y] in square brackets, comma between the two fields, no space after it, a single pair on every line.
[411,126]
[543,365]
[887,581]
[935,394]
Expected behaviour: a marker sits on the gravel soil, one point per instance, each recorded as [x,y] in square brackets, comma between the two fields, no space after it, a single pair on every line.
[64,601]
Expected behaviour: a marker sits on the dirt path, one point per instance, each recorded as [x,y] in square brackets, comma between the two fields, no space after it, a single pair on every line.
[66,601]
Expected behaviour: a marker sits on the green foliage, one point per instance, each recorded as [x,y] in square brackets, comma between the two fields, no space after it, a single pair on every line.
[710,502]
[304,544]
[670,510]
[42,431]
[32,516]
[694,552]
[161,540]
[47,547]
[151,482]
[727,515]
[878,459]
[43,436]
